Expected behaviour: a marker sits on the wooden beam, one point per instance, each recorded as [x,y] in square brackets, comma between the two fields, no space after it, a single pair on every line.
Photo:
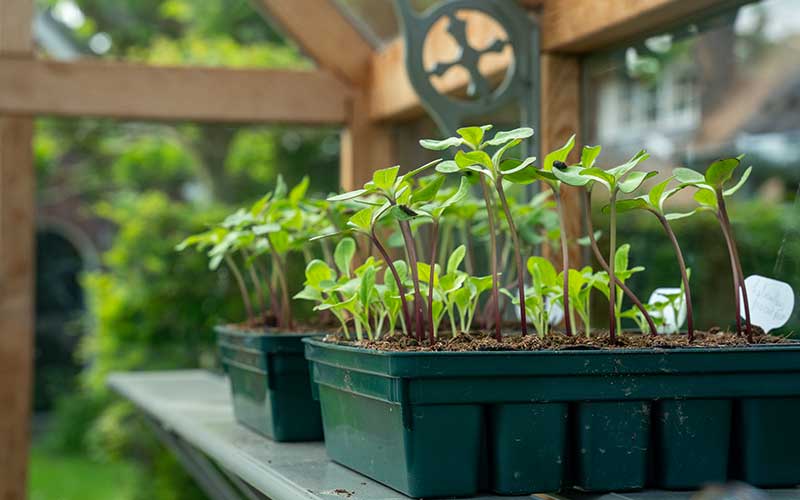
[324,34]
[574,26]
[120,90]
[560,118]
[16,18]
[366,146]
[583,25]
[16,267]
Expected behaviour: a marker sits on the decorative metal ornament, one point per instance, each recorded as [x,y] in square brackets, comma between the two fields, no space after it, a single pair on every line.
[520,82]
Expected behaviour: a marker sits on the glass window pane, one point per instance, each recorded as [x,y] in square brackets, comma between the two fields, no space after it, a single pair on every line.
[725,85]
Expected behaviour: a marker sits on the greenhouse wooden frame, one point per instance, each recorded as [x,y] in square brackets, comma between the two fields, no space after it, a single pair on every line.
[361,89]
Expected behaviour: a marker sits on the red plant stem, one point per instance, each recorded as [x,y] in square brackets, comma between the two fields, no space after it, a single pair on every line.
[602,261]
[564,260]
[434,244]
[400,287]
[684,275]
[419,324]
[248,307]
[735,254]
[262,299]
[279,267]
[734,273]
[612,254]
[273,299]
[493,256]
[517,254]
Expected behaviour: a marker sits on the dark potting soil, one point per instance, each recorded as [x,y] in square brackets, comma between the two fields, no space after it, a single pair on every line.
[559,341]
[260,326]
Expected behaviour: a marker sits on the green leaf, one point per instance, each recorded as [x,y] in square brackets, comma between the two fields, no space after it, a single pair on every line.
[347,196]
[599,175]
[688,176]
[654,196]
[461,193]
[498,155]
[621,258]
[680,215]
[511,135]
[628,205]
[571,176]
[385,177]
[280,241]
[424,273]
[745,176]
[544,269]
[471,135]
[280,188]
[343,255]
[559,154]
[626,167]
[309,293]
[367,286]
[429,191]
[299,191]
[706,197]
[318,271]
[469,158]
[434,145]
[456,258]
[589,155]
[263,229]
[527,162]
[635,180]
[515,175]
[720,172]
[448,167]
[402,213]
[362,220]
[419,170]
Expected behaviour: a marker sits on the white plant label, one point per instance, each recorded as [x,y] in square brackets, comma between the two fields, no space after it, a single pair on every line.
[771,302]
[672,321]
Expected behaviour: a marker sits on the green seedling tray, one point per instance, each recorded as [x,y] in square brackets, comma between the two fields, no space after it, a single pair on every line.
[270,383]
[433,424]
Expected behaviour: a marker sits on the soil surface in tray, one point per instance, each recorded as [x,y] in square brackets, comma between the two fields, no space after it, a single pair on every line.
[260,326]
[559,341]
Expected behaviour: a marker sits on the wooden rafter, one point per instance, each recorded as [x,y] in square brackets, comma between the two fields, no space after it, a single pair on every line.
[122,90]
[324,34]
[581,25]
[574,26]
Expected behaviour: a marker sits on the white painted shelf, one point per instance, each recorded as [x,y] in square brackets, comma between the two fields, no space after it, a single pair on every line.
[195,407]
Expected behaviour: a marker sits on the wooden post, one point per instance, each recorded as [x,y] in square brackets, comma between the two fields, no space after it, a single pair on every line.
[16,267]
[560,118]
[366,145]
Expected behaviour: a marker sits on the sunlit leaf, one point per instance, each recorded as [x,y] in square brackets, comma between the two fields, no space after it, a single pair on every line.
[343,255]
[441,145]
[731,191]
[507,136]
[720,172]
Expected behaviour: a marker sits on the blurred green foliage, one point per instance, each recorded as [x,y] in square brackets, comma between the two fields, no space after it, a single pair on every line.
[148,307]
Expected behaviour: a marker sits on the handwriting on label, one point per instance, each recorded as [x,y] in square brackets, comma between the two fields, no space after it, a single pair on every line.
[771,302]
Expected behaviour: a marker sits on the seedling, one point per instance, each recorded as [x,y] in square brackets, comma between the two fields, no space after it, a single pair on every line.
[710,196]
[615,180]
[275,225]
[491,170]
[653,202]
